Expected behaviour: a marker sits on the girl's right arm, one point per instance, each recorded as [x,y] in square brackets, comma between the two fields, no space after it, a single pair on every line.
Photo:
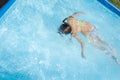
[82,44]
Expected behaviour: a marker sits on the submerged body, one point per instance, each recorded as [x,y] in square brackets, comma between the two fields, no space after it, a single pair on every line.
[75,26]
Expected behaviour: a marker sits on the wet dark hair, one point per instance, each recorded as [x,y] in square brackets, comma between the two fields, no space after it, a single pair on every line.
[63,27]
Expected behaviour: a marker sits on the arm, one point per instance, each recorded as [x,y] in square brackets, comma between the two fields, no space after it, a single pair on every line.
[77,13]
[81,42]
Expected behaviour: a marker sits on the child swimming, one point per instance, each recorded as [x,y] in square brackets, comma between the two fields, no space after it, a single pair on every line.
[73,26]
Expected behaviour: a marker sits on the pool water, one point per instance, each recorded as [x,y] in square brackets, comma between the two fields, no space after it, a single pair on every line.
[31,48]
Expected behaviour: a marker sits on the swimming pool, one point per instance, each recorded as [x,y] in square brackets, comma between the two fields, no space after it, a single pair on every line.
[31,49]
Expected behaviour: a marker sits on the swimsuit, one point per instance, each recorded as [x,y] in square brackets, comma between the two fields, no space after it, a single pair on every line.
[81,23]
[92,35]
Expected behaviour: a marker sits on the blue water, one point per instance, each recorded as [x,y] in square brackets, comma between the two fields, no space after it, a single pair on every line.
[31,49]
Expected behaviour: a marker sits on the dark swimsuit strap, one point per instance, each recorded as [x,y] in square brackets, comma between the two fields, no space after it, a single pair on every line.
[67,18]
[64,20]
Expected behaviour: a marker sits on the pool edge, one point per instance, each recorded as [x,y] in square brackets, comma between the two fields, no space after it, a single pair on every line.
[6,7]
[110,6]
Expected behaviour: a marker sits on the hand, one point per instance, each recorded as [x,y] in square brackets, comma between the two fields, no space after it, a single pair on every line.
[83,56]
[80,13]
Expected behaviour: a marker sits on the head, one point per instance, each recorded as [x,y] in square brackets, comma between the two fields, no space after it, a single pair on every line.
[64,29]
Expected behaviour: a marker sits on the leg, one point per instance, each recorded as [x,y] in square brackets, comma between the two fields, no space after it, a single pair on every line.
[100,43]
[106,48]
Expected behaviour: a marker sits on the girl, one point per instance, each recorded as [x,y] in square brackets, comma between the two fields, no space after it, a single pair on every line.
[73,26]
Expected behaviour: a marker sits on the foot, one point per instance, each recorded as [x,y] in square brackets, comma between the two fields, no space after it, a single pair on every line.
[116,60]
